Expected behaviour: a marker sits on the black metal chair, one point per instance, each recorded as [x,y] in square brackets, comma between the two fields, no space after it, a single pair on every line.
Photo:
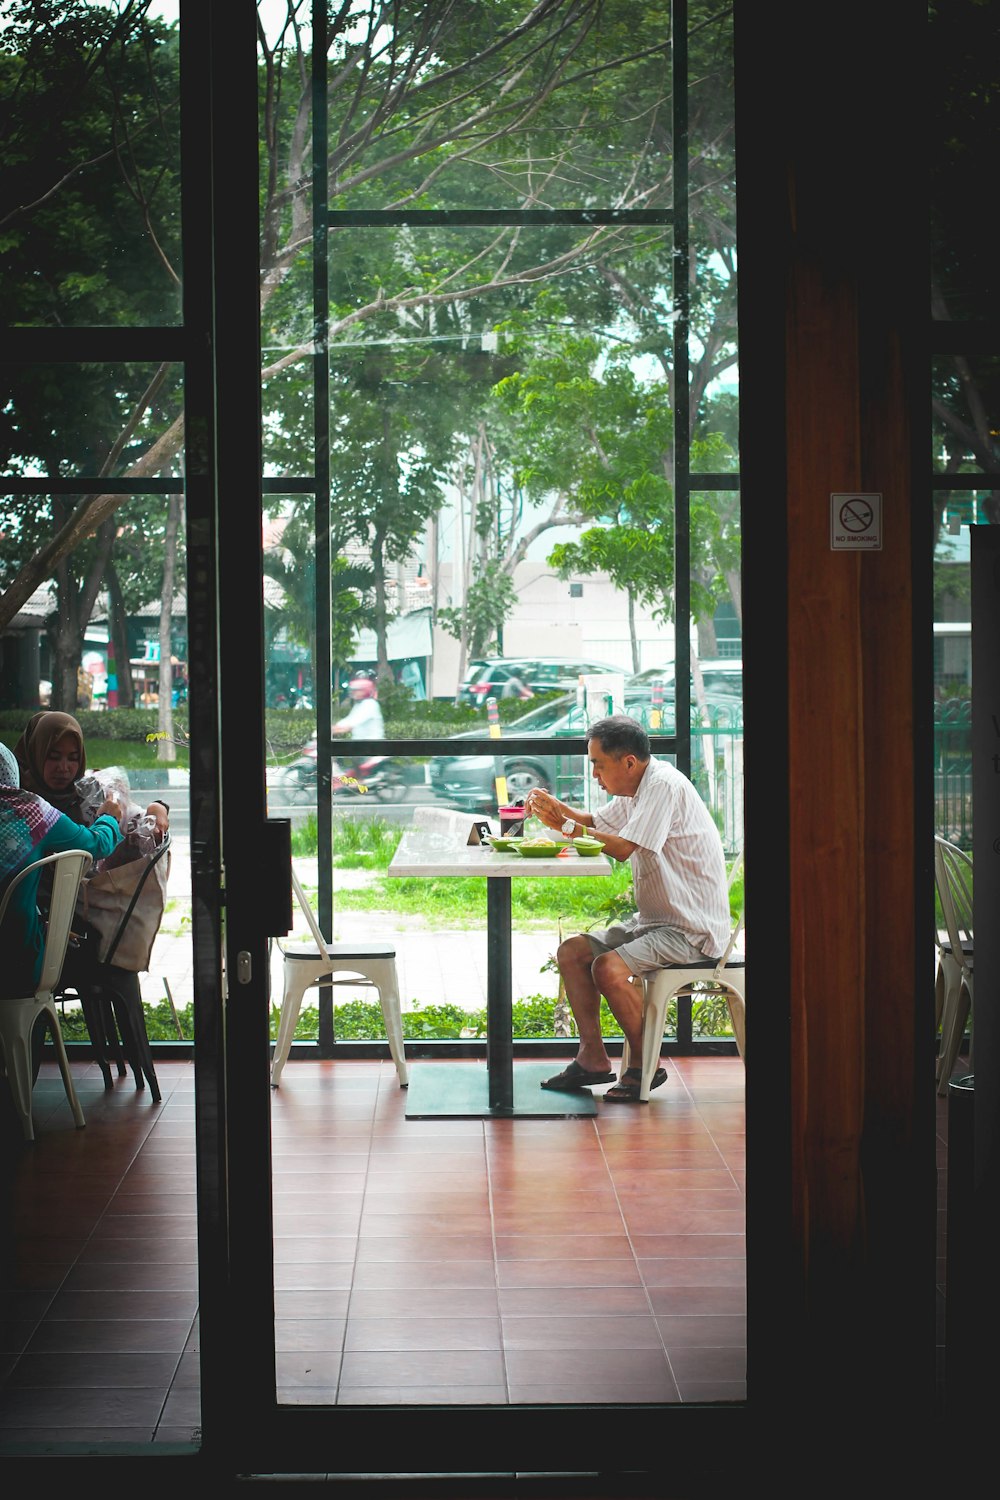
[111,999]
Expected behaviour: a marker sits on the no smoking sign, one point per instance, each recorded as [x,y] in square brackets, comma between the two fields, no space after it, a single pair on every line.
[856,523]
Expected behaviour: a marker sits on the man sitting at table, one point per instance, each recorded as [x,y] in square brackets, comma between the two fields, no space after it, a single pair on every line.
[658,822]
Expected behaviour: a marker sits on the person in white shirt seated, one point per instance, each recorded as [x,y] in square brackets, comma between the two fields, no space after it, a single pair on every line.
[364,721]
[656,820]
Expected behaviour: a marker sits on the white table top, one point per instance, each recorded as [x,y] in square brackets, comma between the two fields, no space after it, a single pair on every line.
[425,851]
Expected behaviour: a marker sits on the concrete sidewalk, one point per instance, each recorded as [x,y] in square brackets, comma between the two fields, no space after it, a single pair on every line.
[434,967]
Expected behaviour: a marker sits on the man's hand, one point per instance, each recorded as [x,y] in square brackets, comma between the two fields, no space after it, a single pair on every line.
[548,809]
[161,817]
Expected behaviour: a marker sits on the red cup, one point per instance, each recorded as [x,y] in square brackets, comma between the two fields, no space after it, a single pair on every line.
[511,822]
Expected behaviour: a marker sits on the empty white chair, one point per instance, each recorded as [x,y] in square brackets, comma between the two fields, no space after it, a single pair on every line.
[19,1013]
[725,975]
[953,982]
[308,964]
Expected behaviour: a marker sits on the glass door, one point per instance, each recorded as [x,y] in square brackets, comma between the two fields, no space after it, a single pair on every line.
[500,467]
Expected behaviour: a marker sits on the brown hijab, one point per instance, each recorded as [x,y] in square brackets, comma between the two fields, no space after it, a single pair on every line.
[40,733]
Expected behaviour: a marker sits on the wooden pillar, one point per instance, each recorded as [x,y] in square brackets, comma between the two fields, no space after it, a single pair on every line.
[834,390]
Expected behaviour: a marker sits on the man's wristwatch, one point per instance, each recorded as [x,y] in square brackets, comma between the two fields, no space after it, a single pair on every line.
[569,826]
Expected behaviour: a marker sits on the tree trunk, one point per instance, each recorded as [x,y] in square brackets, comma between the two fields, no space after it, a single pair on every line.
[65,630]
[735,581]
[708,644]
[381,610]
[118,640]
[67,627]
[433,568]
[633,638]
[461,580]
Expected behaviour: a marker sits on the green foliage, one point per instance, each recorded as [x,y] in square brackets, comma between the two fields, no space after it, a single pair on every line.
[461,902]
[160,1023]
[395,700]
[358,844]
[132,750]
[534,1016]
[92,238]
[368,844]
[120,736]
[591,428]
[361,1021]
[489,603]
[130,725]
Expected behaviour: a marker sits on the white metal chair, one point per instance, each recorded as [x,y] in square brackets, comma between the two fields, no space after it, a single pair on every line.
[953,980]
[725,975]
[313,963]
[19,1013]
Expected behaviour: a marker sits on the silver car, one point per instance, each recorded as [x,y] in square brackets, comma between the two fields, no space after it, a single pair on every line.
[499,676]
[469,781]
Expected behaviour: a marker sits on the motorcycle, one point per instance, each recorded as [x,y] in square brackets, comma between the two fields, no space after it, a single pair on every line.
[379,775]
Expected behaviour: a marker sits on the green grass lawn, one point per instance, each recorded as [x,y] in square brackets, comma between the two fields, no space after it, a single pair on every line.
[131,755]
[461,902]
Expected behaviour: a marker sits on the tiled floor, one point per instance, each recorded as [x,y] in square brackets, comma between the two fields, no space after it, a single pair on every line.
[582,1260]
[586,1260]
[98,1307]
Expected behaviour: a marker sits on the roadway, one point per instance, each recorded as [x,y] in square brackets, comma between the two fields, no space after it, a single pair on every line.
[171,786]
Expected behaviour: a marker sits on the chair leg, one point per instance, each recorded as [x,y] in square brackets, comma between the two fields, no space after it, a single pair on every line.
[296,985]
[939,992]
[98,1018]
[16,1050]
[388,997]
[654,1010]
[130,1018]
[67,1077]
[951,1037]
[948,987]
[738,1017]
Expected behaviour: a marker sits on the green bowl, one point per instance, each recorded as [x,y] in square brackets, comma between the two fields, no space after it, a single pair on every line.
[504,843]
[587,847]
[540,851]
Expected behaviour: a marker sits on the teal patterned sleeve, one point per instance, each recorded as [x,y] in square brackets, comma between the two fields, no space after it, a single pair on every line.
[99,839]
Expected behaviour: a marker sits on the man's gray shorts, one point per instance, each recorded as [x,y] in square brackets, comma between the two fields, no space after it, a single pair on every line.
[649,948]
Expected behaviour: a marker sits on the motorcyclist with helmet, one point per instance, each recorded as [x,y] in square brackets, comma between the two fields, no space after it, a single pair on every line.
[364,721]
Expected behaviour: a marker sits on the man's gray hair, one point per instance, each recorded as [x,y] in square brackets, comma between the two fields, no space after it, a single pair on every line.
[619,735]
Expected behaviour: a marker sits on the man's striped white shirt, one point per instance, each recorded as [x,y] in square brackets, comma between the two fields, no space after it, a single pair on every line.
[679,867]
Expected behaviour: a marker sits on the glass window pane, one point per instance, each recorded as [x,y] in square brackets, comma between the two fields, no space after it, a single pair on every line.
[91,168]
[287,368]
[468,106]
[374,801]
[963,42]
[712,231]
[105,626]
[966,409]
[69,419]
[494,442]
[954,512]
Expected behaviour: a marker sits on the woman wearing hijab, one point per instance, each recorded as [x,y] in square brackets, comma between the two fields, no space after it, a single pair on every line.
[52,759]
[30,829]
